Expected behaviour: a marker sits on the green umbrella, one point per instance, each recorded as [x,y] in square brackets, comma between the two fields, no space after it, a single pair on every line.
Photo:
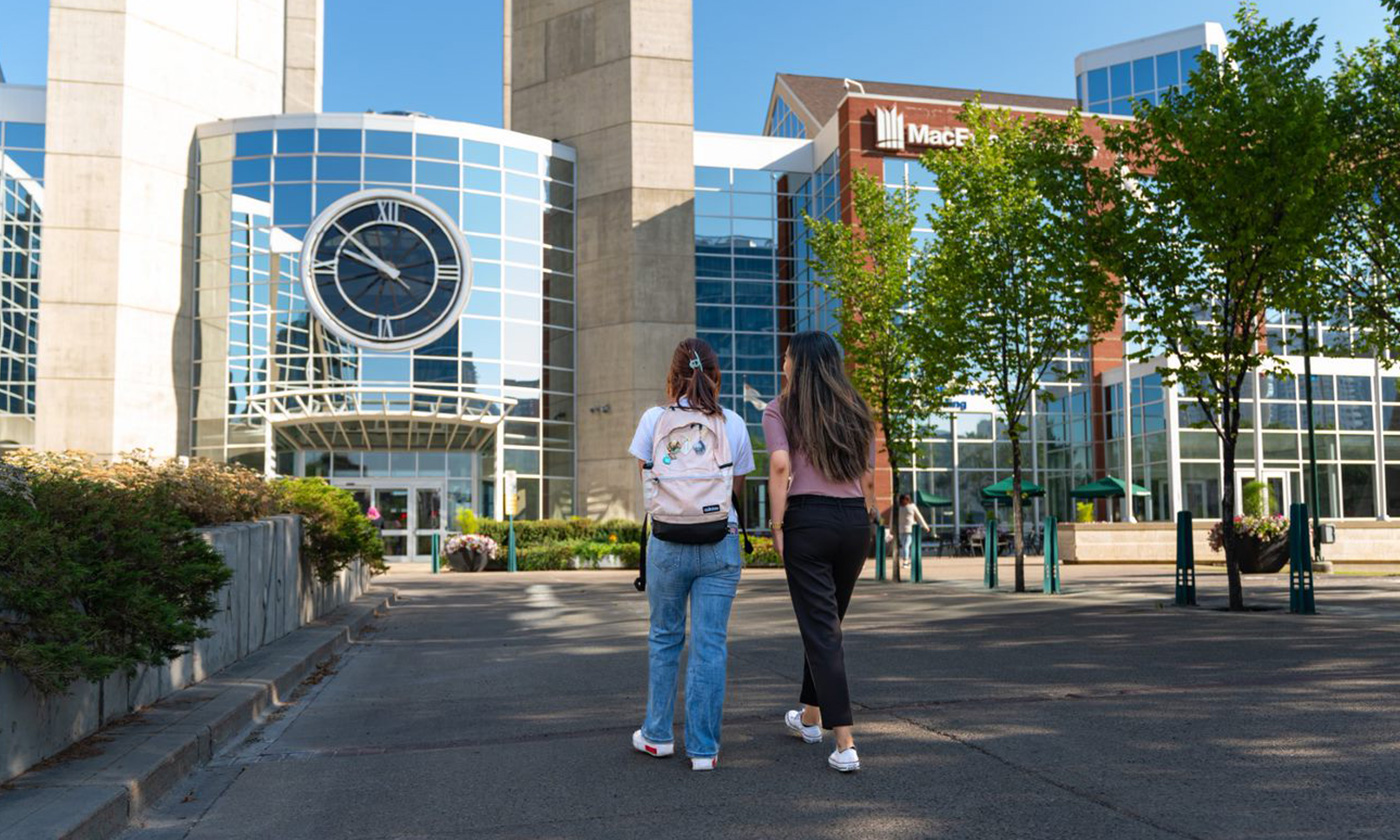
[1108,487]
[1002,489]
[927,499]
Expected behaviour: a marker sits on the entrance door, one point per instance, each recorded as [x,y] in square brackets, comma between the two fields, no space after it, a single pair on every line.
[1280,489]
[410,513]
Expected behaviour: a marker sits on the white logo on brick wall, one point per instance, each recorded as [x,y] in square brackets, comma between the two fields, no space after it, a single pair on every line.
[893,135]
[889,129]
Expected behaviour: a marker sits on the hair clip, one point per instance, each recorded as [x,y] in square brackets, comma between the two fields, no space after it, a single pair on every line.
[695,360]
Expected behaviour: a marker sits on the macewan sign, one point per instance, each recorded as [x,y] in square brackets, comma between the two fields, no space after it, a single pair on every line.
[894,134]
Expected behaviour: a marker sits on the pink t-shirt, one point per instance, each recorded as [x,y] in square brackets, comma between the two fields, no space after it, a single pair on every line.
[806,479]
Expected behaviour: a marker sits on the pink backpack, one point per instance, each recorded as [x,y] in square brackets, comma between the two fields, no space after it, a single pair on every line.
[688,484]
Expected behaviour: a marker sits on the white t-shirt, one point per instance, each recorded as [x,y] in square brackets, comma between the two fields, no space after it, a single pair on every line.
[740,447]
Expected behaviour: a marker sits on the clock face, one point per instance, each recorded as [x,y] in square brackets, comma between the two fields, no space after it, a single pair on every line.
[386,269]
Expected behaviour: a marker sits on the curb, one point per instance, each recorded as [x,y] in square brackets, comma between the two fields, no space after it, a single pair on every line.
[96,798]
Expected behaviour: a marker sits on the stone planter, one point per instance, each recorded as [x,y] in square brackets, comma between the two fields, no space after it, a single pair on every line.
[466,561]
[1257,557]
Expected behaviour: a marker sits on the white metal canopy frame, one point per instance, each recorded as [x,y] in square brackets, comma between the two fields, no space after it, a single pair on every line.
[379,417]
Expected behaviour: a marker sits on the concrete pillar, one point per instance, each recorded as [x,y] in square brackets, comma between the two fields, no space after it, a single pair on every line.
[304,62]
[128,80]
[614,79]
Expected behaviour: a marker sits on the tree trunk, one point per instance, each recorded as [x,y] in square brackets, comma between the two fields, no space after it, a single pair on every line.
[1016,537]
[1227,525]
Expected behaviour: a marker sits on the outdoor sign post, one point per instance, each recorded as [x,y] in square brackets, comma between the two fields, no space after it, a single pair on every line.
[1185,561]
[512,502]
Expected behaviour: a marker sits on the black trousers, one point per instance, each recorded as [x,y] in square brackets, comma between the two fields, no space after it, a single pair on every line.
[825,541]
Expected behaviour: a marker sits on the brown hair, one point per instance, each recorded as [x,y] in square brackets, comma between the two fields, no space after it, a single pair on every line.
[694,376]
[826,419]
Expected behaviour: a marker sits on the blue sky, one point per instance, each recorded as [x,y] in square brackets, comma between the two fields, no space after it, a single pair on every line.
[443,57]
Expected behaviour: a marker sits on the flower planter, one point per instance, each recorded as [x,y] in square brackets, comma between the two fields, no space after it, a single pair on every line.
[466,561]
[1257,557]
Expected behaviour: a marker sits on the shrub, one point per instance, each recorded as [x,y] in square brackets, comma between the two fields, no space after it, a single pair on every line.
[764,554]
[1254,498]
[538,531]
[467,521]
[97,573]
[1083,511]
[334,530]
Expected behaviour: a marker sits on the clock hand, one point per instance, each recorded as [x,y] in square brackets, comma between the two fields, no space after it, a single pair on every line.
[374,260]
[396,276]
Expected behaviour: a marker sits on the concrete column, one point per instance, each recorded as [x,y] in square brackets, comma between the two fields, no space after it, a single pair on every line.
[304,62]
[128,80]
[613,78]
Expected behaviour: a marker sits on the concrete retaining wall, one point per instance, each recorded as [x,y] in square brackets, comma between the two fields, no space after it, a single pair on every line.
[1155,542]
[273,592]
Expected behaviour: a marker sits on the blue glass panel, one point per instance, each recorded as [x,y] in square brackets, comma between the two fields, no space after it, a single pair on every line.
[327,194]
[753,180]
[337,168]
[755,205]
[1188,62]
[714,317]
[1168,71]
[523,252]
[291,140]
[340,140]
[522,161]
[712,226]
[484,303]
[711,203]
[714,266]
[481,373]
[522,185]
[476,178]
[437,174]
[291,204]
[710,176]
[446,199]
[24,135]
[1121,79]
[252,143]
[388,170]
[1144,77]
[389,143]
[486,275]
[251,171]
[895,171]
[523,219]
[481,213]
[481,339]
[484,247]
[1122,107]
[523,307]
[437,147]
[296,168]
[753,268]
[487,154]
[1149,98]
[1215,50]
[1098,84]
[261,192]
[31,162]
[753,320]
[1098,107]
[713,291]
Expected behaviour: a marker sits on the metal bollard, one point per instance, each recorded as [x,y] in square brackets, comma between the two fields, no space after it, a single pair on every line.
[1051,581]
[1300,571]
[1185,561]
[916,558]
[989,574]
[879,551]
[510,546]
[437,554]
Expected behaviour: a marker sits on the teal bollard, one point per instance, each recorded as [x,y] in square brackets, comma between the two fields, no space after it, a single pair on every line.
[437,554]
[879,551]
[1185,561]
[989,574]
[916,560]
[510,546]
[1300,571]
[1051,582]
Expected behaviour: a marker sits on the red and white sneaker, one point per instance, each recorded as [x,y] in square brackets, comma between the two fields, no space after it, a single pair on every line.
[706,763]
[642,745]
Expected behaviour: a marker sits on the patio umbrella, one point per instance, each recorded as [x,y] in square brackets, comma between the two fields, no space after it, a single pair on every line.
[1108,487]
[927,499]
[1002,490]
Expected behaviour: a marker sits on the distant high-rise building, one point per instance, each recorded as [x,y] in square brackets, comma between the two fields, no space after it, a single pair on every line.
[1106,80]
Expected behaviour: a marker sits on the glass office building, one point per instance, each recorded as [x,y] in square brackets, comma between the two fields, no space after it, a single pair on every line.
[21,233]
[1106,81]
[420,432]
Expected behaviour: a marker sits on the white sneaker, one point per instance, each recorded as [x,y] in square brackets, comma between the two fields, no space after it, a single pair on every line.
[642,745]
[810,734]
[845,760]
[708,763]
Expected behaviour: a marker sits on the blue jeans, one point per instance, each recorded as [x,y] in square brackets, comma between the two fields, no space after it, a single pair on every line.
[708,576]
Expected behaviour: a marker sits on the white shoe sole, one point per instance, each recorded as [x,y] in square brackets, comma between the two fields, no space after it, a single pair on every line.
[655,750]
[842,766]
[802,731]
[704,763]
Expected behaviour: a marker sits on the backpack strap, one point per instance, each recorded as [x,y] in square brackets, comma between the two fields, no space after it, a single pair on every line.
[641,582]
[743,529]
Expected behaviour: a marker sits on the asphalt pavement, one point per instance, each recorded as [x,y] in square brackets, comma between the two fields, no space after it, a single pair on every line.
[500,706]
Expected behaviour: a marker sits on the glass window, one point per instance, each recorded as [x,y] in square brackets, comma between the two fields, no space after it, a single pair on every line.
[1358,490]
[753,180]
[1354,418]
[389,143]
[481,213]
[437,147]
[484,303]
[1168,70]
[1357,448]
[1144,77]
[1120,80]
[755,205]
[476,178]
[1357,388]
[343,140]
[388,170]
[1121,107]
[28,136]
[714,318]
[523,219]
[711,177]
[246,144]
[711,203]
[1098,84]
[337,168]
[523,186]
[437,174]
[326,194]
[561,169]
[522,161]
[291,204]
[290,140]
[1322,387]
[297,168]
[484,247]
[486,154]
[521,278]
[481,338]
[252,171]
[446,199]
[1188,62]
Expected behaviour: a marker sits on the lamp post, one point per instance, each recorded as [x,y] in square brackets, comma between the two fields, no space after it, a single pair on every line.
[1319,565]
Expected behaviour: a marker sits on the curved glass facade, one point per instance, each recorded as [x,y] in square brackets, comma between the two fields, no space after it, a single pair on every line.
[263,180]
[21,222]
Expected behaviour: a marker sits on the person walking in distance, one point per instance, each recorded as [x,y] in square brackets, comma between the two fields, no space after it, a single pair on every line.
[693,456]
[821,486]
[909,516]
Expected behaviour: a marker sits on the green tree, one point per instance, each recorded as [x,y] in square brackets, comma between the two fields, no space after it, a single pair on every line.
[1221,217]
[1363,264]
[865,267]
[1007,285]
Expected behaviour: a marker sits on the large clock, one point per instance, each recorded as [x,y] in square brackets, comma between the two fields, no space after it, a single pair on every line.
[386,270]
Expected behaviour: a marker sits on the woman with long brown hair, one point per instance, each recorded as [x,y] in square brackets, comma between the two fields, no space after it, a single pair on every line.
[821,487]
[693,455]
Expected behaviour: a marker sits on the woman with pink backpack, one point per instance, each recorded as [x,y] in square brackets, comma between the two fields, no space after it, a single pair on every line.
[693,457]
